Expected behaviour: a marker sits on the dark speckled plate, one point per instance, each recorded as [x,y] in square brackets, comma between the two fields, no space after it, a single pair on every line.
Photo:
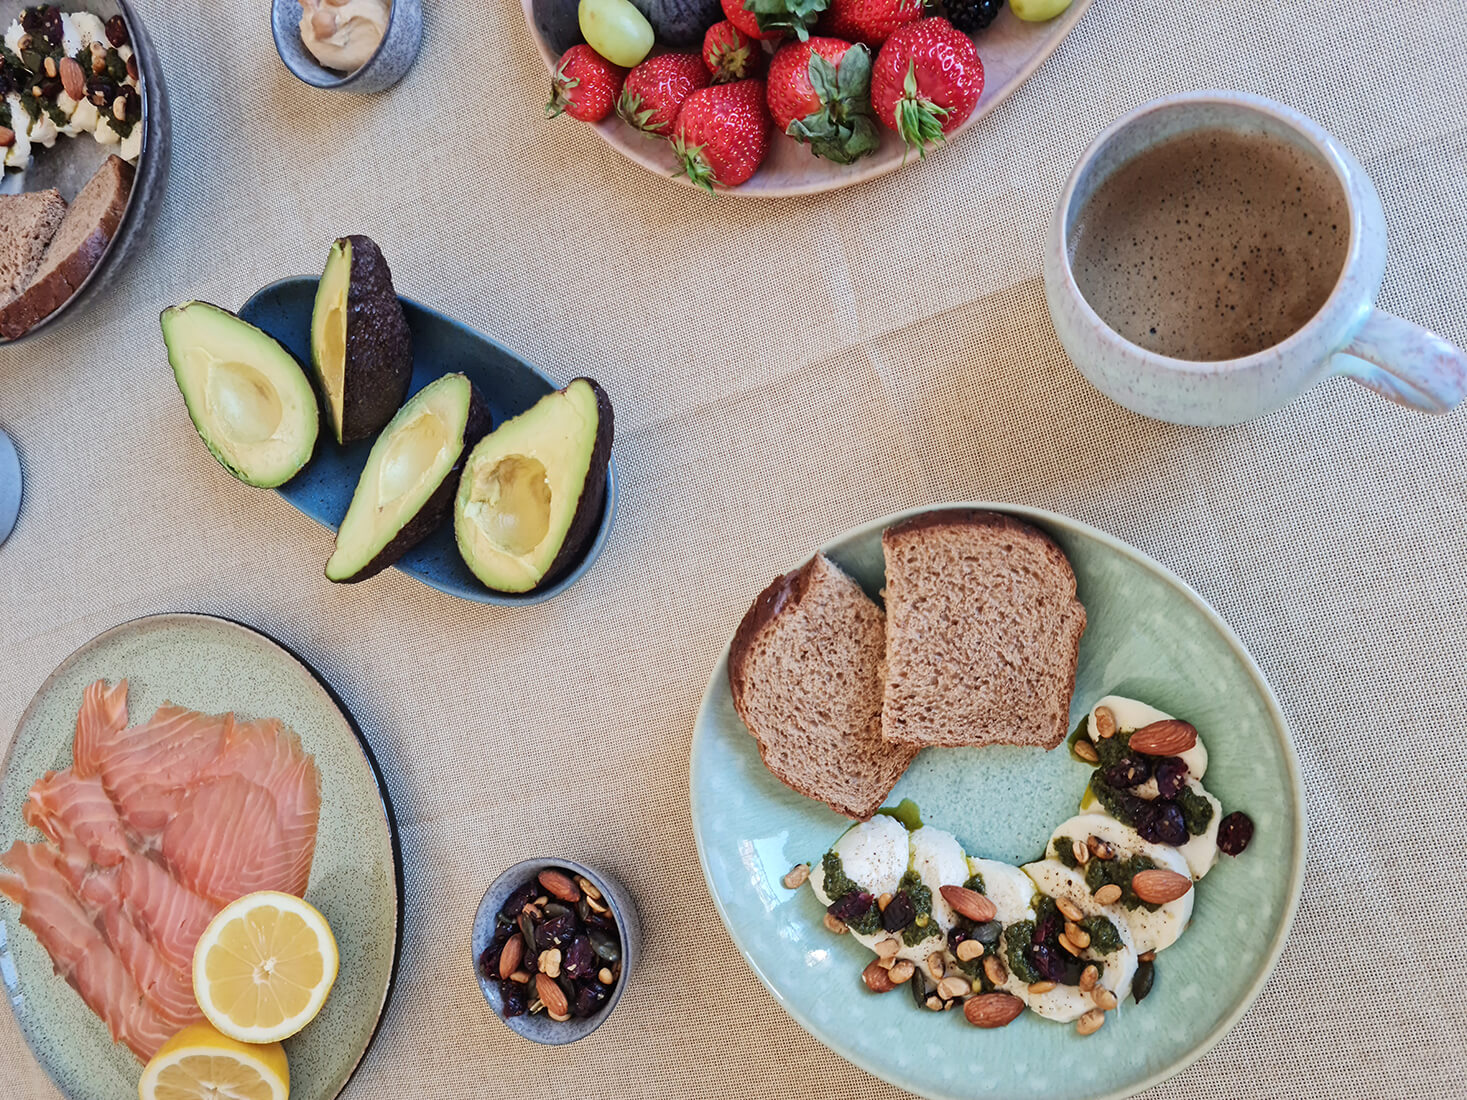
[441,345]
[215,665]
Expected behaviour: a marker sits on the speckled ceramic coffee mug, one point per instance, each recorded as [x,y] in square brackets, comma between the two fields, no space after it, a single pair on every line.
[1348,335]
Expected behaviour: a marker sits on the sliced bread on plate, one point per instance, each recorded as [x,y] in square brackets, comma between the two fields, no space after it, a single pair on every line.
[77,247]
[806,669]
[982,632]
[27,224]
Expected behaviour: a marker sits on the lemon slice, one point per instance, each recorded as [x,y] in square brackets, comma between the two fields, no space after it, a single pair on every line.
[200,1063]
[263,967]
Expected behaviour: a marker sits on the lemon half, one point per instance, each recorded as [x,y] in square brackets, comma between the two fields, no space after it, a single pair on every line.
[200,1063]
[263,967]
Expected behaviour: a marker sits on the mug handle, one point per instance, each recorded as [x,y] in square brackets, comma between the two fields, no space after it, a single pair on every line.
[1406,363]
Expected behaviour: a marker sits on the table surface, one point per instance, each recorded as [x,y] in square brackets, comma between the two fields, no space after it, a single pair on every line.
[782,371]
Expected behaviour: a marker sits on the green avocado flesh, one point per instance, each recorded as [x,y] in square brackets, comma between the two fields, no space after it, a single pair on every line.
[250,401]
[531,492]
[406,488]
[361,348]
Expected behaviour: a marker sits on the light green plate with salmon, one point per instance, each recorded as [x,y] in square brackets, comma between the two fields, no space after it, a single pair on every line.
[214,665]
[1149,637]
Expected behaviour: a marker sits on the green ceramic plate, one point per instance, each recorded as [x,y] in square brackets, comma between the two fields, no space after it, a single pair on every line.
[1149,636]
[215,665]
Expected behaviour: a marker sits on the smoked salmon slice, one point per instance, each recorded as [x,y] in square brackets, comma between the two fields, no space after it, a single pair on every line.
[149,833]
[30,876]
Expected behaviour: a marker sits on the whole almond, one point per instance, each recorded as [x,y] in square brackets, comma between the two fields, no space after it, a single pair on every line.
[969,903]
[551,995]
[73,79]
[1157,886]
[510,955]
[560,885]
[877,979]
[1168,737]
[992,1009]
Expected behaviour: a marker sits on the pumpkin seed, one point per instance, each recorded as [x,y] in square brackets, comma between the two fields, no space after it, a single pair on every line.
[606,947]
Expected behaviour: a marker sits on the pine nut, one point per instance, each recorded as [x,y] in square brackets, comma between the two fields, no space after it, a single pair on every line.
[935,966]
[968,950]
[1040,987]
[605,976]
[834,925]
[1082,852]
[1108,894]
[1104,999]
[1088,977]
[1086,752]
[1078,936]
[1090,1023]
[951,988]
[1069,909]
[1064,941]
[883,901]
[888,948]
[1105,722]
[797,876]
[1100,849]
[902,971]
[934,1002]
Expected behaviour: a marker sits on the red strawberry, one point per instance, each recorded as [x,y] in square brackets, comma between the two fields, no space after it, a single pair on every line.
[868,21]
[654,91]
[745,20]
[730,54]
[722,133]
[926,81]
[820,92]
[584,86]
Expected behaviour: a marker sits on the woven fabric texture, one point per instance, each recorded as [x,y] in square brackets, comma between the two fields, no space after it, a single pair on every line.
[782,371]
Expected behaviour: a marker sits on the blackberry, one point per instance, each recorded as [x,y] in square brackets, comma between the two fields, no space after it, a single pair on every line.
[971,16]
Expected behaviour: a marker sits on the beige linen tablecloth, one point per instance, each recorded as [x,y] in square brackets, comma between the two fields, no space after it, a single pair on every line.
[782,371]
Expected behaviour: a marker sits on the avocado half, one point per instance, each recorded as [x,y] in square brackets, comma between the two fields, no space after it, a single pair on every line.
[361,347]
[250,401]
[407,486]
[531,492]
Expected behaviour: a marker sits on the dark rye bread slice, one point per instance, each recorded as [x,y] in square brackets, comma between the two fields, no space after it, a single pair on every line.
[27,224]
[77,247]
[982,632]
[806,668]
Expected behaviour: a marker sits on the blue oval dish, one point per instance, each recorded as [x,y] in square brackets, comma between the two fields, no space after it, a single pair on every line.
[441,345]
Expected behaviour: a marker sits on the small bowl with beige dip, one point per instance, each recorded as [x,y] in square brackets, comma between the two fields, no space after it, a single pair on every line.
[352,45]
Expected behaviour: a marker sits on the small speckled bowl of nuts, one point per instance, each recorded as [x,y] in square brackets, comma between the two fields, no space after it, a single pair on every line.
[554,945]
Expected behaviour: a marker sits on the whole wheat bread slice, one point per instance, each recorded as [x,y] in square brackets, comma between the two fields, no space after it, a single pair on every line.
[77,247]
[27,224]
[982,632]
[806,669]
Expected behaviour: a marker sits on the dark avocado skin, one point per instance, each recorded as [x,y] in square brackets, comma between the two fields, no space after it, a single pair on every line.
[680,22]
[593,493]
[379,347]
[438,506]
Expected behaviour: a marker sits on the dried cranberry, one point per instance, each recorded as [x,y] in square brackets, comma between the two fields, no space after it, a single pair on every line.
[1234,832]
[1128,771]
[1047,930]
[117,31]
[855,904]
[1045,959]
[1164,824]
[899,912]
[1171,777]
[555,932]
[515,997]
[579,959]
[589,998]
[517,901]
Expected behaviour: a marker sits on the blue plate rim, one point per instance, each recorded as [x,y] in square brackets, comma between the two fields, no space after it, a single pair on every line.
[483,594]
[718,683]
[379,779]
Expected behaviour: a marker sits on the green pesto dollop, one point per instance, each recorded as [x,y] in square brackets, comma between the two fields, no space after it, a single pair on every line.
[837,886]
[1196,811]
[1064,851]
[1117,803]
[1103,935]
[922,926]
[975,883]
[905,811]
[1113,749]
[1119,872]
[1018,936]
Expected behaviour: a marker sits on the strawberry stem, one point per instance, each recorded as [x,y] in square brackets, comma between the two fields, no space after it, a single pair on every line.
[918,119]
[694,164]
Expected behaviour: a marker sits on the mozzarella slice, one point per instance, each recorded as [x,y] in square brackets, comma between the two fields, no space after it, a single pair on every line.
[1132,714]
[1010,890]
[1068,1002]
[19,153]
[1150,931]
[939,860]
